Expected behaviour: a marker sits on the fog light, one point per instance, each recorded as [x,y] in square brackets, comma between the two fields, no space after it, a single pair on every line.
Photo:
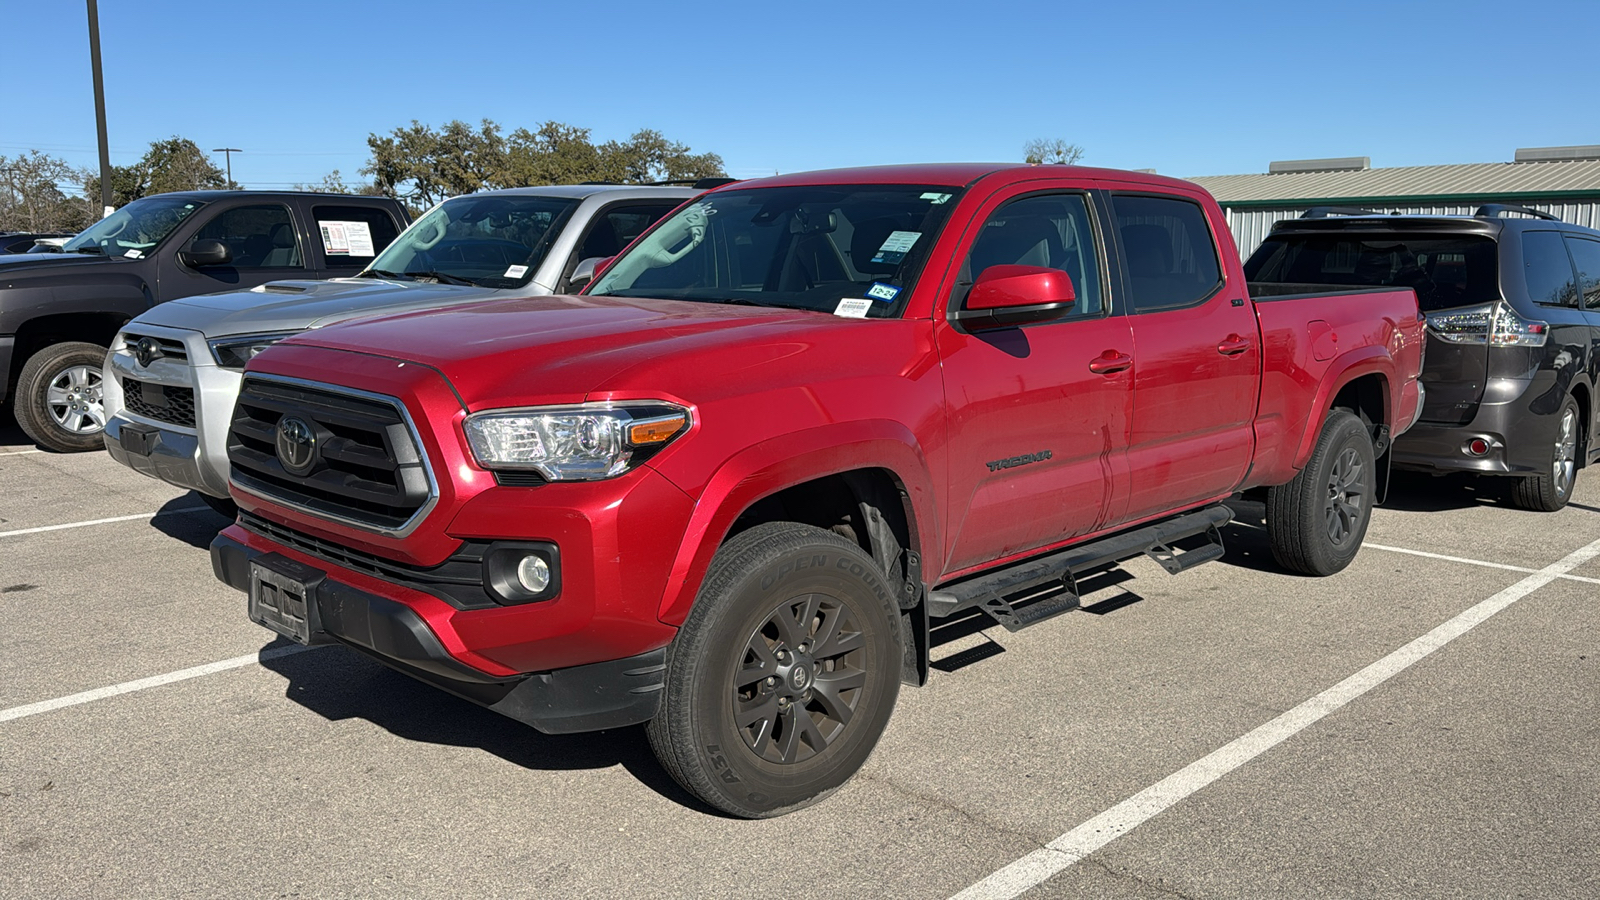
[1478,446]
[533,573]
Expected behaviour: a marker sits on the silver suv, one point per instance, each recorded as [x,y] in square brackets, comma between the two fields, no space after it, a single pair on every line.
[173,373]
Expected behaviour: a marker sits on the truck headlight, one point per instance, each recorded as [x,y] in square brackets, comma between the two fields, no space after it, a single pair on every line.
[234,352]
[587,442]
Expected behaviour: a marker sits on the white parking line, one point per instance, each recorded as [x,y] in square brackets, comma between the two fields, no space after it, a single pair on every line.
[20,452]
[1475,562]
[154,515]
[1069,848]
[128,687]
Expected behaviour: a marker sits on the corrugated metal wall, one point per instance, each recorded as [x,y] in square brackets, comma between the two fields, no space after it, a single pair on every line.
[1250,226]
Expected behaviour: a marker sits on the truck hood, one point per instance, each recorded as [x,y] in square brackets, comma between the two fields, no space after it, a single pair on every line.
[15,264]
[298,305]
[560,349]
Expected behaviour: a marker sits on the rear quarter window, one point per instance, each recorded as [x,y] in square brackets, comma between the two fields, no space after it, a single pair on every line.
[1547,270]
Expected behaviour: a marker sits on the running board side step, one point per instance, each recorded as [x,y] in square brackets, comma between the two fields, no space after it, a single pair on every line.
[1032,591]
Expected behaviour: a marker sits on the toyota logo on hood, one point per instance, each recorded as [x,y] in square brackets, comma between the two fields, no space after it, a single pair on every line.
[296,445]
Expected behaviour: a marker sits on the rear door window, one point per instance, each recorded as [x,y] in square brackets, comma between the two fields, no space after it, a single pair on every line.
[1167,251]
[1446,272]
[1547,270]
[1586,253]
[352,235]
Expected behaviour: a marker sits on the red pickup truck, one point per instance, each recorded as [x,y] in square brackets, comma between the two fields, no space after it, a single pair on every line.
[725,489]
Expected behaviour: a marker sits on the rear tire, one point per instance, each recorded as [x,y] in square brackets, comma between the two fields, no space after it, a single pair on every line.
[1551,491]
[59,401]
[784,676]
[1317,521]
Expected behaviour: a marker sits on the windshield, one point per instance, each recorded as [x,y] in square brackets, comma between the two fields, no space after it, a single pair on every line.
[1445,272]
[849,249]
[491,241]
[135,229]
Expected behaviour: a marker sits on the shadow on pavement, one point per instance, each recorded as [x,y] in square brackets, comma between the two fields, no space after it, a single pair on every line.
[196,527]
[338,683]
[1411,492]
[1245,538]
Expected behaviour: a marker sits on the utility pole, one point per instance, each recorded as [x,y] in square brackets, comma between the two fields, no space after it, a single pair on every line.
[100,107]
[228,153]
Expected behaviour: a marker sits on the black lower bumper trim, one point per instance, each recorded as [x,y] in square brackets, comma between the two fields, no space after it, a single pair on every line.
[609,694]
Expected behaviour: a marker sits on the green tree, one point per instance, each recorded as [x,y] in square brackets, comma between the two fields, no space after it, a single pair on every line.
[33,194]
[422,166]
[648,157]
[1051,151]
[175,164]
[334,183]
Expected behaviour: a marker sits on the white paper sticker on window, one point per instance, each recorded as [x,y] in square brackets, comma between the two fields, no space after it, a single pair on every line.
[516,271]
[134,254]
[936,197]
[853,309]
[346,238]
[895,246]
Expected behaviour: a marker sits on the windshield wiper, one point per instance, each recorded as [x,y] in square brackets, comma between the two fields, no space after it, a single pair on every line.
[378,273]
[442,278]
[89,249]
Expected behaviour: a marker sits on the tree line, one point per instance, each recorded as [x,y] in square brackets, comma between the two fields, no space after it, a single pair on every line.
[417,164]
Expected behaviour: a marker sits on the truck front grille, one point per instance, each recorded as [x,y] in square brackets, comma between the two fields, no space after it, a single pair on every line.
[161,402]
[347,456]
[167,347]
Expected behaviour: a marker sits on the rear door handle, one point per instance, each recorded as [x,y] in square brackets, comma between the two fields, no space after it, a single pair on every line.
[1233,345]
[1109,362]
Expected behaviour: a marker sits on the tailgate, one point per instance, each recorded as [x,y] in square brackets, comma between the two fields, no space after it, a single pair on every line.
[1454,375]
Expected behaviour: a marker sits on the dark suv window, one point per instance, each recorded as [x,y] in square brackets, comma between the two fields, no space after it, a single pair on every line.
[1547,269]
[1446,272]
[1586,253]
[339,249]
[1168,251]
[259,237]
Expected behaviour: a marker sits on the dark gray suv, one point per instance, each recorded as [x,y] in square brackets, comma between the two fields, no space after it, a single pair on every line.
[1512,298]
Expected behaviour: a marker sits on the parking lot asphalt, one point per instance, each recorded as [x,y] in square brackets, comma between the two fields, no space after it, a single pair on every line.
[1240,731]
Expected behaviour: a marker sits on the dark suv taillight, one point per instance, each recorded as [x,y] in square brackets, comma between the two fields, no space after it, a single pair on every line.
[1495,324]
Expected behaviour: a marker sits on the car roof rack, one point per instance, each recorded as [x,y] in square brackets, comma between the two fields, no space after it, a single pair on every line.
[1322,212]
[1496,210]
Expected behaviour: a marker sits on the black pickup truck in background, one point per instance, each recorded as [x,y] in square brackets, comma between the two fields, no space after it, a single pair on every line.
[59,311]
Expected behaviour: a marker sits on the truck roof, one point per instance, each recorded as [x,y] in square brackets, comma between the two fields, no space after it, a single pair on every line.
[954,174]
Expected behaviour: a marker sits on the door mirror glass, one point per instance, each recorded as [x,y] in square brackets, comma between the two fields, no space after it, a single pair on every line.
[205,252]
[1007,295]
[586,271]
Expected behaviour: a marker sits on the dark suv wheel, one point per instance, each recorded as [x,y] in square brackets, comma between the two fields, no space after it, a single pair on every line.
[1551,491]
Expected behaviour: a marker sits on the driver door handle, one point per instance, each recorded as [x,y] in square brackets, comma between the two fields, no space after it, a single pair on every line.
[1233,345]
[1110,362]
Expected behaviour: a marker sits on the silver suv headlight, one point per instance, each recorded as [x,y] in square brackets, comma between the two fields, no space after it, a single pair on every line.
[233,352]
[585,442]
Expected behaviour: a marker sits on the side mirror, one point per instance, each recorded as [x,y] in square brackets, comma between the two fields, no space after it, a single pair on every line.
[205,252]
[1004,296]
[587,270]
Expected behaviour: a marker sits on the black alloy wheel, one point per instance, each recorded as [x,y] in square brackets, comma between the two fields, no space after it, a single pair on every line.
[1317,521]
[785,674]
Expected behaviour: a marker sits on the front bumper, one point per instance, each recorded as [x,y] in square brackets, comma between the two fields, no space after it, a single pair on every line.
[607,694]
[194,457]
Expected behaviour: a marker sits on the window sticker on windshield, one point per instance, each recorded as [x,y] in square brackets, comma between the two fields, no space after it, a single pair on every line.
[134,254]
[895,247]
[852,308]
[346,238]
[516,271]
[936,197]
[884,292]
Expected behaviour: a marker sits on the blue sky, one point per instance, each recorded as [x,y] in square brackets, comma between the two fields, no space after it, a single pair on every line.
[1185,88]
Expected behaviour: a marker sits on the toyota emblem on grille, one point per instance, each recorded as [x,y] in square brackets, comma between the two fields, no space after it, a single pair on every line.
[147,351]
[297,445]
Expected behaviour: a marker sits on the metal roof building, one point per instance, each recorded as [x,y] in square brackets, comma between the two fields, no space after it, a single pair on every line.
[1562,181]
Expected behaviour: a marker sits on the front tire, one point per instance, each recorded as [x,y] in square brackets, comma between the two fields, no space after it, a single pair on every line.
[784,676]
[1317,521]
[59,402]
[1551,491]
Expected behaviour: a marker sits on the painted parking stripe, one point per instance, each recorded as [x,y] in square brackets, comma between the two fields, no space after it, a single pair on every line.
[1474,562]
[143,684]
[1066,850]
[20,452]
[154,515]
